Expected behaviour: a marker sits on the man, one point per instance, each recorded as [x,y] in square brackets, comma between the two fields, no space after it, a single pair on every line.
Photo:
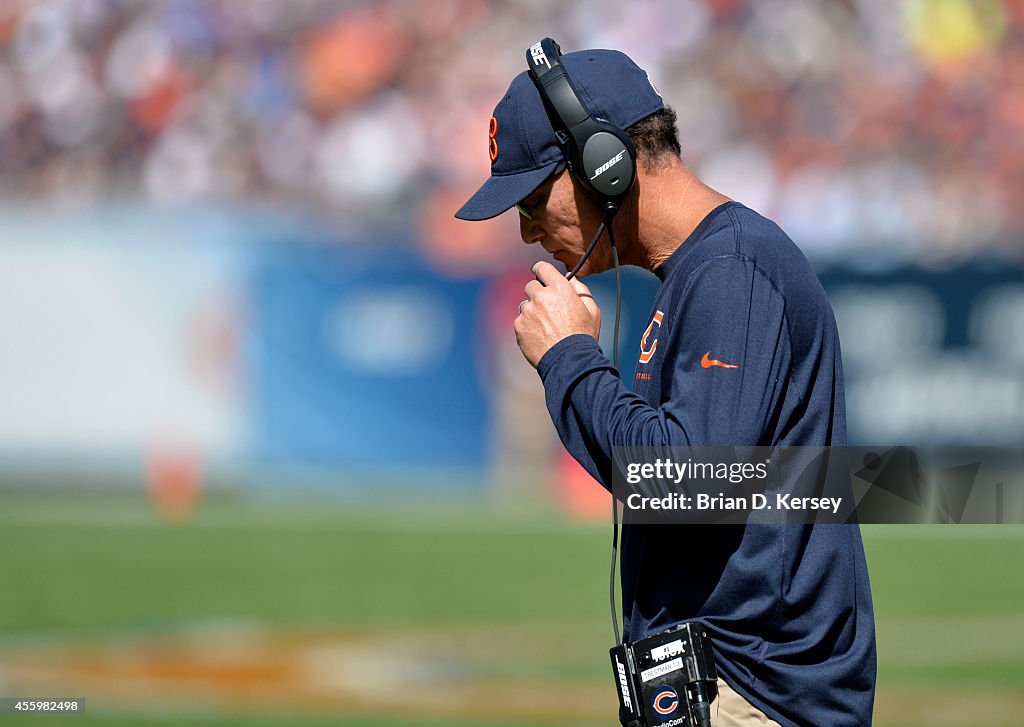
[742,350]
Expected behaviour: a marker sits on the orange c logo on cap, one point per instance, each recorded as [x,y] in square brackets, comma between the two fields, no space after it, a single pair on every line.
[492,143]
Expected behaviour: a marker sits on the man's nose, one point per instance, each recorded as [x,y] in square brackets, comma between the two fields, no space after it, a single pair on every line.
[530,231]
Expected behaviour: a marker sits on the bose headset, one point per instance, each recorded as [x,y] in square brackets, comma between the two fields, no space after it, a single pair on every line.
[600,154]
[603,158]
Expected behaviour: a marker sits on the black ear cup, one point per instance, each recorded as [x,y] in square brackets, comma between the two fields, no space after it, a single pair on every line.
[608,164]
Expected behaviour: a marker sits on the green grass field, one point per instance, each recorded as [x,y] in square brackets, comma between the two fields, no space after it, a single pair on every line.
[99,569]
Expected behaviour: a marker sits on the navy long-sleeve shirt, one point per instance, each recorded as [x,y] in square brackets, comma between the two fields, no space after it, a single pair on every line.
[742,350]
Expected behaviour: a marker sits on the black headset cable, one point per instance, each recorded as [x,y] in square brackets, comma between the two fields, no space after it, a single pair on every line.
[606,224]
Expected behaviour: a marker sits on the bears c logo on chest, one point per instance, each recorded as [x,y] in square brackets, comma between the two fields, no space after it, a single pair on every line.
[647,349]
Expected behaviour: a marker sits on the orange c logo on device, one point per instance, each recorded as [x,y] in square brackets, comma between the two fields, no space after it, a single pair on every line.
[646,354]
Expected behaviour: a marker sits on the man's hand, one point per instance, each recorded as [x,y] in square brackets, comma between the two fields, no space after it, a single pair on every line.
[555,308]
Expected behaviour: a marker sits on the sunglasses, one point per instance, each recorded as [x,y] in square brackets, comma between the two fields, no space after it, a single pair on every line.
[521,208]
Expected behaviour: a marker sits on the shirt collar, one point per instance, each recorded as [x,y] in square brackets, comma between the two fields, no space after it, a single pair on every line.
[676,258]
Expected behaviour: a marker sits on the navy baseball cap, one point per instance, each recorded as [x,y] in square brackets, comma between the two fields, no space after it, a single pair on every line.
[522,144]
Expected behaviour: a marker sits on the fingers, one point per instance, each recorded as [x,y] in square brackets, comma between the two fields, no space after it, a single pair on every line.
[581,290]
[534,287]
[586,296]
[549,274]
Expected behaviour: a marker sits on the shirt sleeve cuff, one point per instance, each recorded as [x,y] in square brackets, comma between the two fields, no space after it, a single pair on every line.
[579,342]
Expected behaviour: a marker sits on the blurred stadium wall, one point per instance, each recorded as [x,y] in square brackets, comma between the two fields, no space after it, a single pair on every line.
[226,230]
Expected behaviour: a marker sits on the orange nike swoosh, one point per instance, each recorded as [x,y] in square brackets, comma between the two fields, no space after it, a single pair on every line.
[709,362]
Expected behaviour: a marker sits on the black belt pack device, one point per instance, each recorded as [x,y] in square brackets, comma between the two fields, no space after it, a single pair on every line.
[666,680]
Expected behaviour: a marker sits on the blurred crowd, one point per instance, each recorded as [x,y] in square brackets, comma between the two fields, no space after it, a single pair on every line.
[861,126]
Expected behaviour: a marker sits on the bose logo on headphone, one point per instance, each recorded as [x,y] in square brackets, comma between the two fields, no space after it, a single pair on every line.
[538,55]
[608,164]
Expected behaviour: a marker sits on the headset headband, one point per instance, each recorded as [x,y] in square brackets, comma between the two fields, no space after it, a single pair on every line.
[599,153]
